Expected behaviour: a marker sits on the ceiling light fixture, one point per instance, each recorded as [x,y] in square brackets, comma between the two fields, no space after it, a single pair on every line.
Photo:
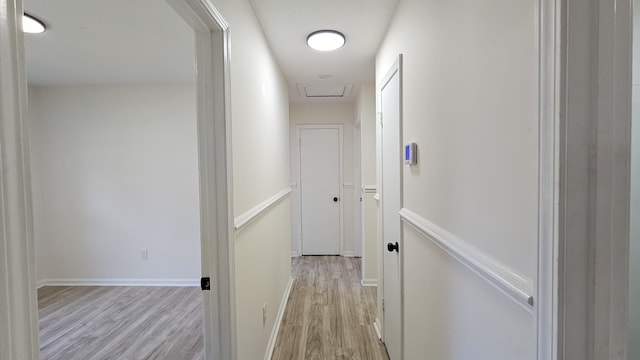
[325,40]
[32,25]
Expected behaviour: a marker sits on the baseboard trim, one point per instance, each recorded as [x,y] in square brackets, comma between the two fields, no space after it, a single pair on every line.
[349,254]
[378,328]
[118,282]
[295,254]
[369,282]
[276,328]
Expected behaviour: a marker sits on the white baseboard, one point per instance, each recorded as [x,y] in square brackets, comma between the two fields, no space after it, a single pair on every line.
[276,327]
[378,328]
[369,282]
[118,282]
[295,254]
[349,254]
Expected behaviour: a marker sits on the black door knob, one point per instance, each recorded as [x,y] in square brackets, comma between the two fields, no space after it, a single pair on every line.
[391,247]
[335,199]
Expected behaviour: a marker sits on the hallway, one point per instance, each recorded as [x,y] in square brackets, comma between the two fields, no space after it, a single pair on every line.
[329,314]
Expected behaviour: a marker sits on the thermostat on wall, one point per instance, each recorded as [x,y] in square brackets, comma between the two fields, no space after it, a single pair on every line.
[410,154]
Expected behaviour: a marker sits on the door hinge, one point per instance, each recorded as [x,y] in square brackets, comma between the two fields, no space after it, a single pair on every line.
[205,283]
[382,304]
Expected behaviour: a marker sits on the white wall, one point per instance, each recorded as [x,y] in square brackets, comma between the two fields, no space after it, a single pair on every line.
[366,111]
[260,115]
[323,113]
[470,103]
[114,171]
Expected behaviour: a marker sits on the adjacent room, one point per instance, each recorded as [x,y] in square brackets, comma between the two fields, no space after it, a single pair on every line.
[114,165]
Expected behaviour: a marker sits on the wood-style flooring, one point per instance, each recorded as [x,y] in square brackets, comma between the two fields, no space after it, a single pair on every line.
[124,323]
[329,314]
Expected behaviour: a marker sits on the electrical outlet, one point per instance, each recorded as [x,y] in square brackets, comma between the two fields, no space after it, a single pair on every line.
[264,314]
[144,254]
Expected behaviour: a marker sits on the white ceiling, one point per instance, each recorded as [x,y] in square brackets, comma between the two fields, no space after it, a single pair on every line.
[113,42]
[286,24]
[97,42]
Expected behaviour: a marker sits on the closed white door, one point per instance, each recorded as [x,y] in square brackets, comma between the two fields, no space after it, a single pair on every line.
[391,204]
[320,190]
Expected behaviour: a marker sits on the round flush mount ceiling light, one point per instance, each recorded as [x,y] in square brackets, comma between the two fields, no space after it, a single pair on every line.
[32,25]
[325,40]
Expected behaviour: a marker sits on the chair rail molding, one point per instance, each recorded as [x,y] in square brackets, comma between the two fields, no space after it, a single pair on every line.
[518,287]
[242,220]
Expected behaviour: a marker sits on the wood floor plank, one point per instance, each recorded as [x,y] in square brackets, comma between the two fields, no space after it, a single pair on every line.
[125,323]
[329,314]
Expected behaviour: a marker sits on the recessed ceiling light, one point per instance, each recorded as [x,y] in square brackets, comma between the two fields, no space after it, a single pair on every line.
[32,25]
[325,40]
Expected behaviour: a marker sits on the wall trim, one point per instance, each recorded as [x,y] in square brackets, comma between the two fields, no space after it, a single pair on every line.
[251,214]
[369,282]
[295,253]
[119,282]
[276,328]
[349,253]
[546,280]
[215,165]
[18,298]
[518,287]
[378,328]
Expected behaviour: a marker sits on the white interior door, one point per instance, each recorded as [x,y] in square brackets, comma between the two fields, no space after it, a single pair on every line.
[320,190]
[391,204]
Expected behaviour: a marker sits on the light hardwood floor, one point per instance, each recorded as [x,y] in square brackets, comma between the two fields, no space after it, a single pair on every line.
[329,314]
[125,323]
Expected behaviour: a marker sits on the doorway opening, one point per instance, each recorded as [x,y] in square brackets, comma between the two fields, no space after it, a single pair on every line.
[212,225]
[114,163]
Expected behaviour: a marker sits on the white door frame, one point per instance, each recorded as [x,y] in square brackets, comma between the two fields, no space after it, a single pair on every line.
[358,195]
[18,299]
[339,127]
[396,68]
[593,120]
[215,170]
[585,127]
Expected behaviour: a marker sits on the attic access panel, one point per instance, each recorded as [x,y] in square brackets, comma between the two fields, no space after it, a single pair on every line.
[325,91]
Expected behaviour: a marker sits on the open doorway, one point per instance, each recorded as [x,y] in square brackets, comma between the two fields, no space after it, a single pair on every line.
[164,202]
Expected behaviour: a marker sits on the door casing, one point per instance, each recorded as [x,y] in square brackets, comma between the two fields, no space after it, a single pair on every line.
[395,72]
[18,308]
